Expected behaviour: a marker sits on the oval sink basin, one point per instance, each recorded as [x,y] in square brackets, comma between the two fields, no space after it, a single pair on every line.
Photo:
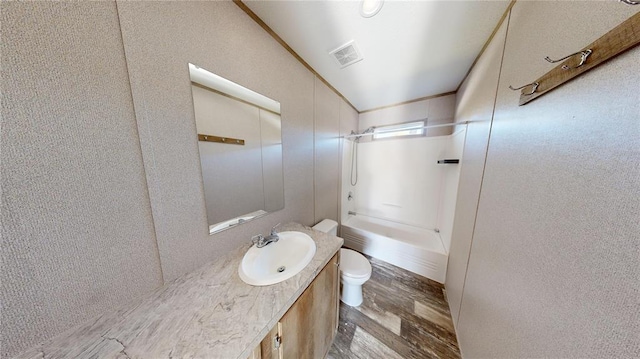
[277,261]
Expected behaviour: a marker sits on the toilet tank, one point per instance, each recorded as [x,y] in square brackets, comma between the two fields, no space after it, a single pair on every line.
[327,226]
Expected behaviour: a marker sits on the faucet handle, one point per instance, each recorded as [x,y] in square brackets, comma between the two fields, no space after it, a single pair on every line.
[273,229]
[257,238]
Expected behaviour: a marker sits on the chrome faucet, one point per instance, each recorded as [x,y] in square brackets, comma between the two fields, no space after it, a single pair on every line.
[261,241]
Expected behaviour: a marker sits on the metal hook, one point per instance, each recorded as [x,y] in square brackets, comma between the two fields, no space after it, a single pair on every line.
[630,2]
[583,58]
[535,87]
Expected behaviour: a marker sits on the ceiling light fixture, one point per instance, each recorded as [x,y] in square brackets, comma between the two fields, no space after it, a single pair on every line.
[368,8]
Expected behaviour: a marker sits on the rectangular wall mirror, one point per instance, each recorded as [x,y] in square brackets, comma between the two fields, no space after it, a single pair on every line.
[240,144]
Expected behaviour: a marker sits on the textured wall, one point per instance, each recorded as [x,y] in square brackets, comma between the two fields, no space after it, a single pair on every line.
[82,231]
[77,231]
[348,119]
[327,155]
[348,123]
[554,264]
[160,39]
[475,101]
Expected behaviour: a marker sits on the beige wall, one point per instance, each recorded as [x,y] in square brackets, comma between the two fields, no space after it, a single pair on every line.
[77,229]
[102,190]
[160,40]
[553,267]
[326,158]
[475,101]
[348,122]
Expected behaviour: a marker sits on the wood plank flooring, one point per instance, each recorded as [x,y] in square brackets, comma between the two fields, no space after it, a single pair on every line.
[403,315]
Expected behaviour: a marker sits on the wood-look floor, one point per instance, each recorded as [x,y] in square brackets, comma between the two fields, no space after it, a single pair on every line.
[403,315]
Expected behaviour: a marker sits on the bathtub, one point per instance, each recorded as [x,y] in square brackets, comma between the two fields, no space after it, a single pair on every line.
[415,249]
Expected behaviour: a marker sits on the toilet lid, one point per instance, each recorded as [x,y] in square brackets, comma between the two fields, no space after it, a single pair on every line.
[354,264]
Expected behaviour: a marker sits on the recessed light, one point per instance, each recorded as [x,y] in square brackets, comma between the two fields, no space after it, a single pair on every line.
[369,8]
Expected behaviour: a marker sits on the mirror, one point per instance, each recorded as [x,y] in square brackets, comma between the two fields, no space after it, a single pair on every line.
[240,144]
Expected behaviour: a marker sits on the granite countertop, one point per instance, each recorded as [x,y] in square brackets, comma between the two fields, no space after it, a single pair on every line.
[208,313]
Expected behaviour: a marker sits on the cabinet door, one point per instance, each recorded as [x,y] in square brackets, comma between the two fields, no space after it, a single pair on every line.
[256,354]
[308,328]
[270,347]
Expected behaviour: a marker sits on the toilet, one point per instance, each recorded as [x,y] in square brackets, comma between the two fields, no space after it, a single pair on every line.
[355,269]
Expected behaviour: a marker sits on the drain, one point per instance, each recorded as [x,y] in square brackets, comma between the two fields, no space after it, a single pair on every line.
[281,269]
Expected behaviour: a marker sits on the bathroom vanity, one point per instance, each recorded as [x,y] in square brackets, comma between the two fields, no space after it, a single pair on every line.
[307,329]
[212,313]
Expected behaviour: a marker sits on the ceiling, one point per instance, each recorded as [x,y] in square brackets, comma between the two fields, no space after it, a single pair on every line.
[410,49]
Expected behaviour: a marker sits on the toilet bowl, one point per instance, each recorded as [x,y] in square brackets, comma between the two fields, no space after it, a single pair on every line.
[355,269]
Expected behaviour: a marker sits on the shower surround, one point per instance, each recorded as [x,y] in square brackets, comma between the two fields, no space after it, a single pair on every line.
[404,200]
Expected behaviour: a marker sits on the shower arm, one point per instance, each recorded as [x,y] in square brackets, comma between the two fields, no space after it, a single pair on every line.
[357,136]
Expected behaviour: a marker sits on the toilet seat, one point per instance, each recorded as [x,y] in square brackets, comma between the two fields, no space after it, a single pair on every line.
[354,265]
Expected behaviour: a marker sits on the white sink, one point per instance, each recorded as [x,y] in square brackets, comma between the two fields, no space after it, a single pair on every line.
[277,261]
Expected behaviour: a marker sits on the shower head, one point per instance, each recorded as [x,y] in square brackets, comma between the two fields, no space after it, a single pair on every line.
[357,136]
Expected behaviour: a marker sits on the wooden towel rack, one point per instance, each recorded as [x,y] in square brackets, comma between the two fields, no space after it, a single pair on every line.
[620,39]
[227,140]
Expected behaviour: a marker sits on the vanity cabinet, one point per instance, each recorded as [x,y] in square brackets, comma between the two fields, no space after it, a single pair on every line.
[307,329]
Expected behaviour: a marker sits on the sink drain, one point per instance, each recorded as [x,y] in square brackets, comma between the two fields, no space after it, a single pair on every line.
[281,269]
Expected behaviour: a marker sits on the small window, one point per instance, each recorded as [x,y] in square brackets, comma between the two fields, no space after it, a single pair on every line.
[401,130]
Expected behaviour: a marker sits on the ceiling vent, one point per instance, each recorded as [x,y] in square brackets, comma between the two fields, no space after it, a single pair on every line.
[346,54]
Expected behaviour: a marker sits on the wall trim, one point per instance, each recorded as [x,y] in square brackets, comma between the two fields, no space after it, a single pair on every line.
[486,44]
[410,101]
[286,46]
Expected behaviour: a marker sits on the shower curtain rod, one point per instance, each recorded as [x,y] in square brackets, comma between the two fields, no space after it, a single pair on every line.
[429,126]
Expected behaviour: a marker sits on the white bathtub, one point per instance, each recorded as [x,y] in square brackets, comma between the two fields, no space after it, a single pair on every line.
[415,249]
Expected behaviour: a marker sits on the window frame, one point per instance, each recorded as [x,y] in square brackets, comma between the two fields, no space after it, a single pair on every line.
[391,130]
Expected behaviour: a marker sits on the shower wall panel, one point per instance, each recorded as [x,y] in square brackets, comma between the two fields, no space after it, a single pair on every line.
[400,180]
